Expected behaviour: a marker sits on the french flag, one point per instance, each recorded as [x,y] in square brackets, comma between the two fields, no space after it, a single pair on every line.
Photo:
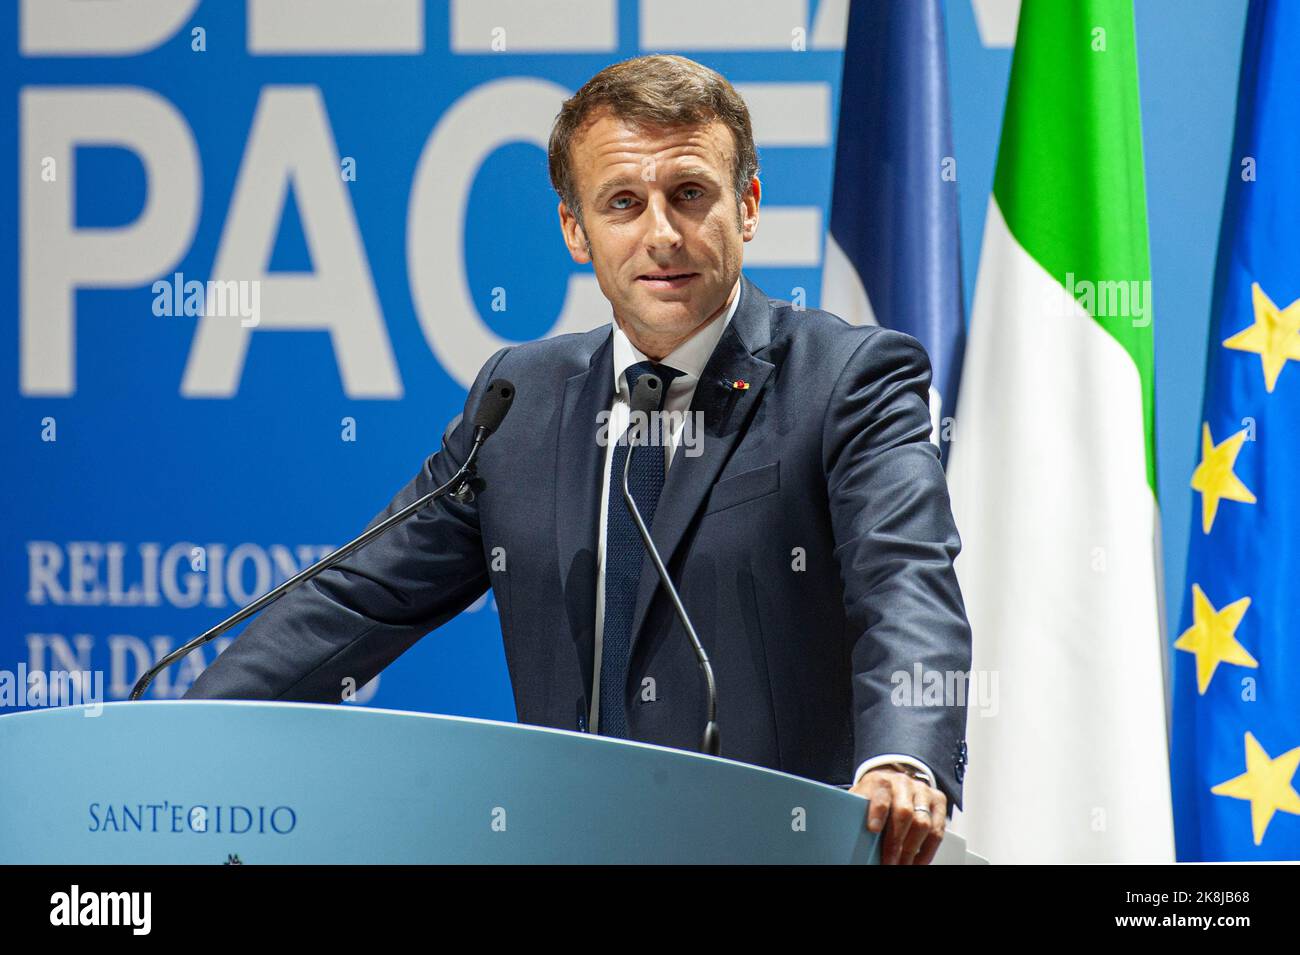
[893,255]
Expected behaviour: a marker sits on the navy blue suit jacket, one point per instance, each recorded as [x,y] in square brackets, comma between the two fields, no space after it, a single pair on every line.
[811,540]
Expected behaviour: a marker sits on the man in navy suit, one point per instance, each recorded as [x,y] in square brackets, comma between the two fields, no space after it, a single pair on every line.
[795,496]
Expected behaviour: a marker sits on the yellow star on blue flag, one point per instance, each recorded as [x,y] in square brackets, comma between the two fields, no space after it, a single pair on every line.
[1267,784]
[1236,660]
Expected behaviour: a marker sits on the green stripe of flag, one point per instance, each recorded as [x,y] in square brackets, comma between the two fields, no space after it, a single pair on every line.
[1069,177]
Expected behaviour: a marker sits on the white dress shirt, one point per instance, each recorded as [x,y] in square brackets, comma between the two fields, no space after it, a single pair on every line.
[689,358]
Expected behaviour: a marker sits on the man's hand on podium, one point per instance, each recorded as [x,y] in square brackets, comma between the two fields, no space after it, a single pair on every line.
[916,812]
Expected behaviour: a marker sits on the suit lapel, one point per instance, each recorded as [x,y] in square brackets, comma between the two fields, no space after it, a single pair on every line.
[727,411]
[578,471]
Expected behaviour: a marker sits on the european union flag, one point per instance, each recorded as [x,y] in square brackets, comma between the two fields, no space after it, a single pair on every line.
[893,256]
[1236,743]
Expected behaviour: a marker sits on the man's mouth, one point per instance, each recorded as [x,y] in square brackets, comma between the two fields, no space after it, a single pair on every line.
[666,280]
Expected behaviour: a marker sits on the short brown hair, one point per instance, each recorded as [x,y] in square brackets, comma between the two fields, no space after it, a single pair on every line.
[653,92]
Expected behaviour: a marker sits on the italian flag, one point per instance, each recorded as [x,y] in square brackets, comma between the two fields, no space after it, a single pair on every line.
[1053,466]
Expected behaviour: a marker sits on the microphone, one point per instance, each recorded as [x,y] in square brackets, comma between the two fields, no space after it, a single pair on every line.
[492,409]
[491,412]
[646,400]
[463,487]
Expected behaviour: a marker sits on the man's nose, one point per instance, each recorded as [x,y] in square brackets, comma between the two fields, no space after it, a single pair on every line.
[661,233]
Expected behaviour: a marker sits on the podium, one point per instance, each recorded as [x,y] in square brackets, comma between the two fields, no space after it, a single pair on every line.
[212,782]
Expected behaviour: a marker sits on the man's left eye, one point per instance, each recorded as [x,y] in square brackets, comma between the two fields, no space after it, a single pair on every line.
[699,192]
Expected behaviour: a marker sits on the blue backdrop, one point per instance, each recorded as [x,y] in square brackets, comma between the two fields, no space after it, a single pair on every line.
[383,179]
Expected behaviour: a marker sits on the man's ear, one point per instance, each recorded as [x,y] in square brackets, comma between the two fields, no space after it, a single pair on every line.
[575,237]
[749,209]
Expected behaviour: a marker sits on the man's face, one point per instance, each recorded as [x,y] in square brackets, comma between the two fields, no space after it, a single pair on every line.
[660,223]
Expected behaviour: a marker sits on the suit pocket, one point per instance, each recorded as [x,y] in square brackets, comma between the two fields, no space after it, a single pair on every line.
[745,487]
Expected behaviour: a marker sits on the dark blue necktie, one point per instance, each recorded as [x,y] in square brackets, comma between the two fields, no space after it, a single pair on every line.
[624,551]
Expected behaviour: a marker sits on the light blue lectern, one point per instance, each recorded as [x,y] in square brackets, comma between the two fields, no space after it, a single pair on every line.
[207,782]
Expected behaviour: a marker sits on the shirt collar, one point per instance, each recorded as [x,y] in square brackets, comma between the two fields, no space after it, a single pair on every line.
[689,357]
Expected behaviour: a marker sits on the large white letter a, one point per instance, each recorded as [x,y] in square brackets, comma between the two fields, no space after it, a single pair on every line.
[291,142]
